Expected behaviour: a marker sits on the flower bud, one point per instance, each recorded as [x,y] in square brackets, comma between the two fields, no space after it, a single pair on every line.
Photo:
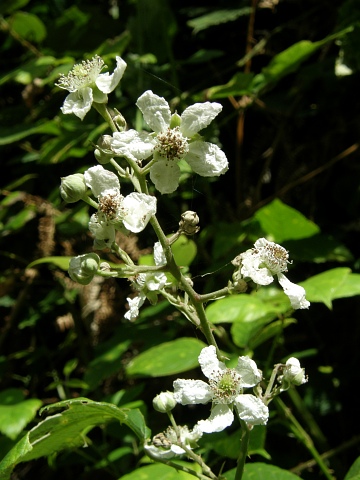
[83,268]
[73,188]
[164,402]
[189,223]
[293,374]
[103,153]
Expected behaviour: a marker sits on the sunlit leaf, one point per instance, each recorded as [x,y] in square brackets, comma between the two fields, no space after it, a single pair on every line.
[216,18]
[16,412]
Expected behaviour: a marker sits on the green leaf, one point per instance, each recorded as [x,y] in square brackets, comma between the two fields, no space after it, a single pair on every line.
[184,251]
[281,222]
[27,26]
[15,412]
[16,133]
[158,471]
[354,472]
[8,6]
[61,262]
[216,18]
[269,331]
[66,429]
[105,365]
[332,284]
[238,85]
[262,471]
[168,358]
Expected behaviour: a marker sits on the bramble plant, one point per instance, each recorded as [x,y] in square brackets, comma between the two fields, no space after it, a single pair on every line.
[147,158]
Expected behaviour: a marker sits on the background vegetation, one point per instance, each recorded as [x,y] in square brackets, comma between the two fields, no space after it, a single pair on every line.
[287,75]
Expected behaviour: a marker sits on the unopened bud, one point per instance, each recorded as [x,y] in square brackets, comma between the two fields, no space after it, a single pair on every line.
[83,268]
[164,402]
[293,374]
[189,223]
[103,152]
[73,188]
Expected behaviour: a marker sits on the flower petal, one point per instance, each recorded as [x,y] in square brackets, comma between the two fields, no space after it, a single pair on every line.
[198,116]
[106,82]
[209,362]
[250,374]
[78,103]
[99,179]
[221,417]
[165,176]
[250,267]
[132,143]
[296,293]
[159,255]
[134,305]
[206,159]
[138,207]
[251,409]
[161,453]
[191,392]
[101,230]
[156,111]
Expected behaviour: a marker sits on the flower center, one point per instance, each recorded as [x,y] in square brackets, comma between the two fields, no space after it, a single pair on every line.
[82,74]
[171,144]
[110,204]
[225,385]
[275,257]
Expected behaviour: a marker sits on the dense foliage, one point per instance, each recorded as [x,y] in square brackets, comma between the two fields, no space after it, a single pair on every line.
[286,74]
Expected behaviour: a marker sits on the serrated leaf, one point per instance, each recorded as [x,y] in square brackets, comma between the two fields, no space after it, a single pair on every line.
[168,358]
[332,284]
[65,428]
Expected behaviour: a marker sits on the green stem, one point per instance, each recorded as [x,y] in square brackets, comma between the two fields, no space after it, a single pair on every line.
[244,446]
[104,112]
[305,439]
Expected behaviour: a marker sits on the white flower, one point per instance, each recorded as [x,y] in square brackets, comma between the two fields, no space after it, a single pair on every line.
[165,444]
[148,284]
[87,85]
[225,391]
[115,211]
[293,374]
[175,137]
[266,260]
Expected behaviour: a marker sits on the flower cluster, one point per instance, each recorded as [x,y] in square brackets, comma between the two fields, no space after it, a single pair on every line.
[225,391]
[265,261]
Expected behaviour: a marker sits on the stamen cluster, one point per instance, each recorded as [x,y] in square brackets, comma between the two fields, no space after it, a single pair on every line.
[172,144]
[82,74]
[275,256]
[110,204]
[225,385]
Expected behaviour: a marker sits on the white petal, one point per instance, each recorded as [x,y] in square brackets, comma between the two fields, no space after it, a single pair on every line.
[165,176]
[106,82]
[209,362]
[250,267]
[159,255]
[161,453]
[251,409]
[156,111]
[221,417]
[78,103]
[101,230]
[155,281]
[138,208]
[206,159]
[198,116]
[250,374]
[132,143]
[99,179]
[191,392]
[134,305]
[296,293]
